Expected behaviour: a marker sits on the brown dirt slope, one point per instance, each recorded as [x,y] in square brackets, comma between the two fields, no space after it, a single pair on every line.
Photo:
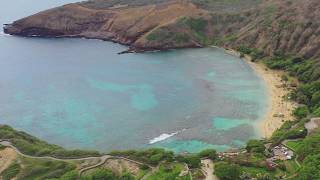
[289,26]
[124,25]
[7,157]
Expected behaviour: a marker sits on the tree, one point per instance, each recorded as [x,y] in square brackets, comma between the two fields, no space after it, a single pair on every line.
[126,176]
[71,175]
[309,146]
[226,171]
[255,146]
[208,153]
[317,112]
[102,174]
[301,112]
[193,161]
[310,168]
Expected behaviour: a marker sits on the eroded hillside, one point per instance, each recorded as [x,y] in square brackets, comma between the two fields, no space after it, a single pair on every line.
[290,26]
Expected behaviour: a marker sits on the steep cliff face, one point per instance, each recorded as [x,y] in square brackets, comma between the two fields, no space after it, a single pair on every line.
[289,26]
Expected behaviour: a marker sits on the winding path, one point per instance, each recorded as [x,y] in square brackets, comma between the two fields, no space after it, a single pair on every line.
[208,169]
[103,158]
[8,144]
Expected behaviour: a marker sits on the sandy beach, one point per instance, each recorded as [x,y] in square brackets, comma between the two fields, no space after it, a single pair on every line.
[278,110]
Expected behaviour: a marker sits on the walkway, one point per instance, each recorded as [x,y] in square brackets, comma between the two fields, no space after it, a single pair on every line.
[208,169]
[102,159]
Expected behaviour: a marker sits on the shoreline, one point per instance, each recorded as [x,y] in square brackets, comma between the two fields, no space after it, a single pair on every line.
[278,110]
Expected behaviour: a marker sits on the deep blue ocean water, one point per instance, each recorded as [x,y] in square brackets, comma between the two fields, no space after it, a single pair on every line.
[80,93]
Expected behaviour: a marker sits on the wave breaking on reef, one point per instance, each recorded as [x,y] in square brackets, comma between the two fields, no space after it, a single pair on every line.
[164,136]
[3,34]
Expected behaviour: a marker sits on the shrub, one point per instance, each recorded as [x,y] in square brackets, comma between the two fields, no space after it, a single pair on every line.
[310,168]
[195,24]
[193,161]
[317,112]
[209,153]
[226,171]
[102,174]
[151,156]
[289,130]
[71,175]
[309,146]
[255,146]
[244,49]
[126,176]
[11,172]
[301,112]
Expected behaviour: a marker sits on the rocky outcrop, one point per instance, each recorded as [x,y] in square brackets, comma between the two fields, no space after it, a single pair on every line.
[288,26]
[124,25]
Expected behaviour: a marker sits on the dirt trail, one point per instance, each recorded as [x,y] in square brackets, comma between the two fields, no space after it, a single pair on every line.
[208,169]
[8,144]
[12,152]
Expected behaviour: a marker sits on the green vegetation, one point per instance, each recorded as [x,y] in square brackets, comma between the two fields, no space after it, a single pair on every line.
[309,146]
[250,160]
[169,172]
[43,169]
[301,112]
[308,94]
[192,160]
[98,174]
[197,28]
[294,145]
[209,153]
[11,172]
[195,24]
[101,174]
[31,169]
[310,167]
[2,147]
[253,52]
[168,36]
[155,156]
[255,146]
[150,156]
[255,172]
[289,130]
[291,166]
[33,146]
[307,72]
[71,175]
[226,171]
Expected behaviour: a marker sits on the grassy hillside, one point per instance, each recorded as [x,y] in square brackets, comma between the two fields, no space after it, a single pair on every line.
[33,146]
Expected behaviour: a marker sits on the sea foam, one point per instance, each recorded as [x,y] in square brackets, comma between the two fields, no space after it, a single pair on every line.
[164,136]
[3,34]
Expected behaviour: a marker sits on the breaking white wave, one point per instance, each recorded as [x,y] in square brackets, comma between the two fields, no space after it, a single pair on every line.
[164,136]
[3,34]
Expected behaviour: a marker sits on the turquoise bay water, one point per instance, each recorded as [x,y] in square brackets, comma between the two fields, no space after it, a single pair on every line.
[80,93]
